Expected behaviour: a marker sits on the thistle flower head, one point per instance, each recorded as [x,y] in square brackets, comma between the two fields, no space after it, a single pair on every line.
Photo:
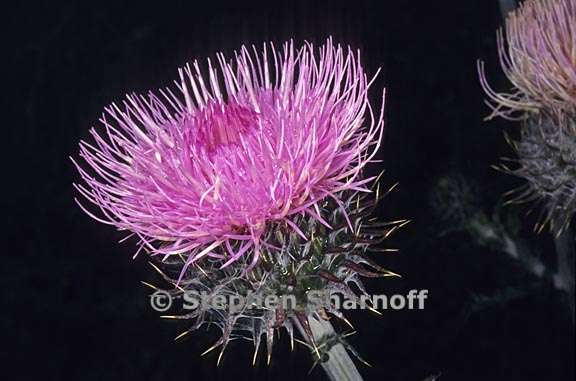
[539,59]
[538,55]
[256,165]
[246,143]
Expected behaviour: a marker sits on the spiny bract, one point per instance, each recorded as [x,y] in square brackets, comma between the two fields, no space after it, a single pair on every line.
[547,160]
[331,262]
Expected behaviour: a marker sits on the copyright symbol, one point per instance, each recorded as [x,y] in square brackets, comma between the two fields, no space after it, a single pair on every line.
[161,301]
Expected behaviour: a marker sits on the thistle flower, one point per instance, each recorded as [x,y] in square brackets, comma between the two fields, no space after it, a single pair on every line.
[539,60]
[254,141]
[249,184]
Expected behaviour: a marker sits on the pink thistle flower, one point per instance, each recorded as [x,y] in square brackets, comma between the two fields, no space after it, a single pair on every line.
[539,59]
[254,141]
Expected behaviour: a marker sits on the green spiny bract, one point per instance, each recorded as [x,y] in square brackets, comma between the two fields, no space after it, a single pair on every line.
[330,260]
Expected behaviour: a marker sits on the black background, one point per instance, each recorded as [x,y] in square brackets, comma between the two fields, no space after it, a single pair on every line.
[72,304]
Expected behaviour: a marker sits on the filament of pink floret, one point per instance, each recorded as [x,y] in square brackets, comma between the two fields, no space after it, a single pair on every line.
[160,178]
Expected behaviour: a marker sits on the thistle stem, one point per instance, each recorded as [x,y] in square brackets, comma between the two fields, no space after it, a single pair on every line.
[493,233]
[338,365]
[564,243]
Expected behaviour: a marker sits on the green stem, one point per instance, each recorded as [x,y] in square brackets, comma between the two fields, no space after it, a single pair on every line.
[338,365]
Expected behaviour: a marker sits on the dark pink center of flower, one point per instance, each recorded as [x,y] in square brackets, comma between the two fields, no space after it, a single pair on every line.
[218,125]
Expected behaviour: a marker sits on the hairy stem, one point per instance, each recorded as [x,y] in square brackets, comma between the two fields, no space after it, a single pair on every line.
[338,365]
